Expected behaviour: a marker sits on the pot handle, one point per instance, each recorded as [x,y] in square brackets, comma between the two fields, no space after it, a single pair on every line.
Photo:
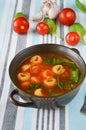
[75,50]
[18,103]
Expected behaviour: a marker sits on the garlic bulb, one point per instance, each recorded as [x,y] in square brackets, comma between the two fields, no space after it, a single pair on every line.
[48,9]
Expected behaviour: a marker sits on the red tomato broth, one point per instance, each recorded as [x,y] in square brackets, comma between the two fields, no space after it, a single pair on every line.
[62,83]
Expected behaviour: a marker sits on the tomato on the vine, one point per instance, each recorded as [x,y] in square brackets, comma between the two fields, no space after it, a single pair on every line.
[67,16]
[42,28]
[20,25]
[72,38]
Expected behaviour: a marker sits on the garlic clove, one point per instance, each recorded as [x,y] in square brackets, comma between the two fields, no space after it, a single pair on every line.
[44,10]
[52,14]
[38,17]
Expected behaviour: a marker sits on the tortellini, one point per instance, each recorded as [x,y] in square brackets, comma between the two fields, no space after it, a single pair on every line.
[23,76]
[58,69]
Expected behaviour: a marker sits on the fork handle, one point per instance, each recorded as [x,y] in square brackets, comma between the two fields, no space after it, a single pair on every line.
[83,108]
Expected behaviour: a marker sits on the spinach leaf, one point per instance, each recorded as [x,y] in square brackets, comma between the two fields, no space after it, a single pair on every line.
[35,86]
[78,28]
[52,25]
[51,93]
[48,60]
[70,65]
[60,85]
[74,75]
[55,61]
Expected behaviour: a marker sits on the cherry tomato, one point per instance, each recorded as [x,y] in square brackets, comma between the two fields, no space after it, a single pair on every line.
[72,38]
[20,25]
[42,28]
[67,16]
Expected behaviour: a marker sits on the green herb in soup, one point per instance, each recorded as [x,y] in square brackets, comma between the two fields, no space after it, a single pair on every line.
[48,75]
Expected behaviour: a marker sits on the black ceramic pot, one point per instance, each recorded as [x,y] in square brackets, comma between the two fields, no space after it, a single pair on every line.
[35,101]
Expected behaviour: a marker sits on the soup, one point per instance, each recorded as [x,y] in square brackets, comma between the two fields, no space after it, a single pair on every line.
[47,75]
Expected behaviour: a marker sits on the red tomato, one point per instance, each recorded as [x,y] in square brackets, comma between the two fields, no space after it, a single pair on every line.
[20,25]
[42,28]
[67,16]
[72,38]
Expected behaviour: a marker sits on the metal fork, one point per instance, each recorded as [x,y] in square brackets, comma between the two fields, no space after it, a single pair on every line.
[83,108]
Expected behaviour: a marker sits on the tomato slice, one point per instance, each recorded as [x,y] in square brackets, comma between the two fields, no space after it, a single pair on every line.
[20,25]
[72,38]
[42,28]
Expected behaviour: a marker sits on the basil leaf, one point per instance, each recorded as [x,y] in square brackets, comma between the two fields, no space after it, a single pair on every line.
[52,25]
[78,28]
[80,5]
[19,14]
